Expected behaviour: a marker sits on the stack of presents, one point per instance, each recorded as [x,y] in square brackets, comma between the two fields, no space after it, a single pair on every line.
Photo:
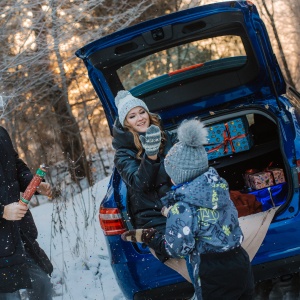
[267,185]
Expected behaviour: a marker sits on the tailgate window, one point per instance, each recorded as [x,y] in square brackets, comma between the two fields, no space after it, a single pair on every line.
[196,58]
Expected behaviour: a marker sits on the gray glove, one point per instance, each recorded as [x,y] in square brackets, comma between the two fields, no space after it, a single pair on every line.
[151,141]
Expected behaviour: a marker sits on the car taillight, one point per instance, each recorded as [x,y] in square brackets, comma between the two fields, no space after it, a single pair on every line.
[111,221]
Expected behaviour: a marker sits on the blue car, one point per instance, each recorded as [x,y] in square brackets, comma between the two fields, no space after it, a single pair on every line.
[213,62]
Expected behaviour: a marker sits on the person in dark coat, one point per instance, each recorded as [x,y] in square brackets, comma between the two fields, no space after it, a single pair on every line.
[141,145]
[23,264]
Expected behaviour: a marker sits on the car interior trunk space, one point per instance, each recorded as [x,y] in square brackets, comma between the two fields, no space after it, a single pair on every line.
[256,174]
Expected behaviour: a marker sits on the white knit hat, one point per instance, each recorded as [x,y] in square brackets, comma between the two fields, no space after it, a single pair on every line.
[187,159]
[126,102]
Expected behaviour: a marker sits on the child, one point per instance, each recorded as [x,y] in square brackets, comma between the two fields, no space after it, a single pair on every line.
[202,222]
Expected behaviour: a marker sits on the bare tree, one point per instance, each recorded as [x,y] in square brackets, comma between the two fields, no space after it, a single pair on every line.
[293,8]
[268,12]
[39,69]
[51,109]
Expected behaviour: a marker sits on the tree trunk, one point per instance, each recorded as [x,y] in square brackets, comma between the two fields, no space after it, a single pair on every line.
[280,48]
[70,133]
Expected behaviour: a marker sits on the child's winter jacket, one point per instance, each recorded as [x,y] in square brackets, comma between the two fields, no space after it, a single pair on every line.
[203,219]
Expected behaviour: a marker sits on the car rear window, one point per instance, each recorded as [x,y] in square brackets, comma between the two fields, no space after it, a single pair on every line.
[183,62]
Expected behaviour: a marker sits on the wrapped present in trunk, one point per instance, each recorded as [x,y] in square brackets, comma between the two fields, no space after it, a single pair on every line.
[247,178]
[271,196]
[228,138]
[255,179]
[278,175]
[260,180]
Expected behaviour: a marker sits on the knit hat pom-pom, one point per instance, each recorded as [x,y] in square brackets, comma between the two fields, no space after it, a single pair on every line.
[192,133]
[121,95]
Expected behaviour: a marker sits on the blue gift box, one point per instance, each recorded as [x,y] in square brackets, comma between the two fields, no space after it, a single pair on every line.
[228,138]
[274,195]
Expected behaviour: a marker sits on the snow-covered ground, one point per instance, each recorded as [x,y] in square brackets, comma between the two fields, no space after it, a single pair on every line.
[70,234]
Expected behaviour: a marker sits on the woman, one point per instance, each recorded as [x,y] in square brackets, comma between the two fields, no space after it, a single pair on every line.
[141,146]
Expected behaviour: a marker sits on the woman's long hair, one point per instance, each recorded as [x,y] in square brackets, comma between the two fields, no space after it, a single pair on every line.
[154,120]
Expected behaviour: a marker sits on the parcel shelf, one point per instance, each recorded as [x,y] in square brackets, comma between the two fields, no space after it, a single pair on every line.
[255,151]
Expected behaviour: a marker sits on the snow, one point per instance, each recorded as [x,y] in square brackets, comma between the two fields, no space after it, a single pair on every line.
[70,233]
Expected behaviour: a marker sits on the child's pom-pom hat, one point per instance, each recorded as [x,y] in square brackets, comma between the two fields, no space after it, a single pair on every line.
[187,159]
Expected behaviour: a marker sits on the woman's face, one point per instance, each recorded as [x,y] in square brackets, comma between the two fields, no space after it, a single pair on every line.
[138,119]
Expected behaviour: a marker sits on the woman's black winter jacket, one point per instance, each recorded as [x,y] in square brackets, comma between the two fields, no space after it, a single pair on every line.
[146,181]
[16,236]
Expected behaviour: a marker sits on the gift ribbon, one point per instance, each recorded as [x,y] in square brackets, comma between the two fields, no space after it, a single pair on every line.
[271,197]
[227,140]
[251,171]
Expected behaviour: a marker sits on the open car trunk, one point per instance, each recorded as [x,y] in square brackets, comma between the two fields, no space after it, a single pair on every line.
[259,170]
[255,171]
[264,156]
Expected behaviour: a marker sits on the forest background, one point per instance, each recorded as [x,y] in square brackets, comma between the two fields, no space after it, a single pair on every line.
[48,104]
